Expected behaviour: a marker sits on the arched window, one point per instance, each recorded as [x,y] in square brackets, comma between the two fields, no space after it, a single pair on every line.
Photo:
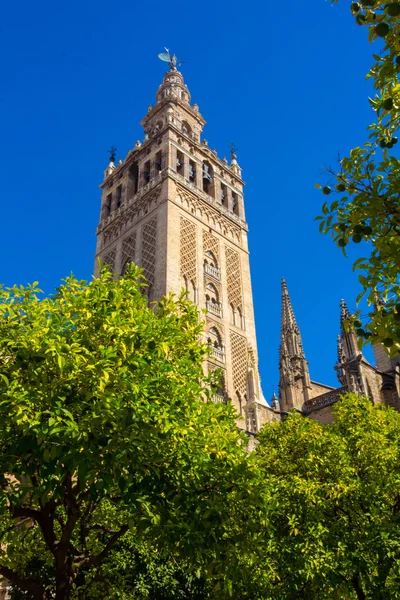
[180,162]
[208,179]
[235,204]
[212,293]
[106,210]
[133,181]
[215,344]
[186,129]
[232,312]
[158,126]
[211,260]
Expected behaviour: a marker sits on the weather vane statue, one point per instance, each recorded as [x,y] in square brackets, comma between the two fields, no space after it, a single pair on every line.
[171,59]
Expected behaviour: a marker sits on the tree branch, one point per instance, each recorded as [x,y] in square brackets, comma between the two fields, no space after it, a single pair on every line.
[28,584]
[96,560]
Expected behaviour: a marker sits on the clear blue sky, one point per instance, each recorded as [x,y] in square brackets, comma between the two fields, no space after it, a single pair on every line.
[283,80]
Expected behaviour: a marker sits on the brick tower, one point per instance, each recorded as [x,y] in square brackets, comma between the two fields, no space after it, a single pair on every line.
[176,209]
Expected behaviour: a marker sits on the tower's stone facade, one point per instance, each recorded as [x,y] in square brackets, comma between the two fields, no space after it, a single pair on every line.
[177,210]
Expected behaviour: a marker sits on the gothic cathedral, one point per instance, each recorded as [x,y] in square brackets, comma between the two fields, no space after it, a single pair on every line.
[177,210]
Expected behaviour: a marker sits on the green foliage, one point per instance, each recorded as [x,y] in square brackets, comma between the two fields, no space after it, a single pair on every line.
[105,428]
[369,212]
[333,516]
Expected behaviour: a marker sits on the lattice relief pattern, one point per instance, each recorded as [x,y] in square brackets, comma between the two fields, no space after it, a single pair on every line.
[188,250]
[211,244]
[128,251]
[234,278]
[149,239]
[239,362]
[109,259]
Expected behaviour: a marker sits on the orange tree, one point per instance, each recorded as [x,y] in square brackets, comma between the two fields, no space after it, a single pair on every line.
[331,522]
[105,429]
[366,207]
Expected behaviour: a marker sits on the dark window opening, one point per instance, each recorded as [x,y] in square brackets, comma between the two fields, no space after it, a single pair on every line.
[158,161]
[107,206]
[186,129]
[208,179]
[192,171]
[235,203]
[180,162]
[118,199]
[224,194]
[146,172]
[133,179]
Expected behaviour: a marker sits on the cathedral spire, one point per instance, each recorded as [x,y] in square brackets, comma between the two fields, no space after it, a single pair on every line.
[294,381]
[290,332]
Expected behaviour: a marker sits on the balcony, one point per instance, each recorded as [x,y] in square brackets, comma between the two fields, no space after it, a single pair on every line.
[215,308]
[217,353]
[218,399]
[213,271]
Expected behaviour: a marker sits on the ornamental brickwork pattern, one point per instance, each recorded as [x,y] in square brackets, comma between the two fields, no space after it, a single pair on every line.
[188,250]
[239,362]
[128,251]
[211,244]
[149,240]
[234,278]
[109,259]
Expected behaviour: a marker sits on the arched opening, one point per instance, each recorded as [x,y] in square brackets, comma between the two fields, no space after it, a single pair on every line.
[232,314]
[239,318]
[180,162]
[208,179]
[146,172]
[212,293]
[224,195]
[215,344]
[106,210]
[118,197]
[157,127]
[192,171]
[211,265]
[211,260]
[133,180]
[158,162]
[235,204]
[186,129]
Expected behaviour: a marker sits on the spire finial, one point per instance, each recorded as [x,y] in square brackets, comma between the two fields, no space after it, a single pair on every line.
[113,153]
[171,59]
[233,150]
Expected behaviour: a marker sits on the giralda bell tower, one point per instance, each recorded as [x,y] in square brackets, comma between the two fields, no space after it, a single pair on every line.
[176,209]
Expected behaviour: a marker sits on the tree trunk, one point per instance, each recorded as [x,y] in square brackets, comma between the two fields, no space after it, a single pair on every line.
[63,577]
[357,587]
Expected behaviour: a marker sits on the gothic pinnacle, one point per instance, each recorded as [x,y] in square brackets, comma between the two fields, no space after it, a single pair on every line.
[288,318]
[344,312]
